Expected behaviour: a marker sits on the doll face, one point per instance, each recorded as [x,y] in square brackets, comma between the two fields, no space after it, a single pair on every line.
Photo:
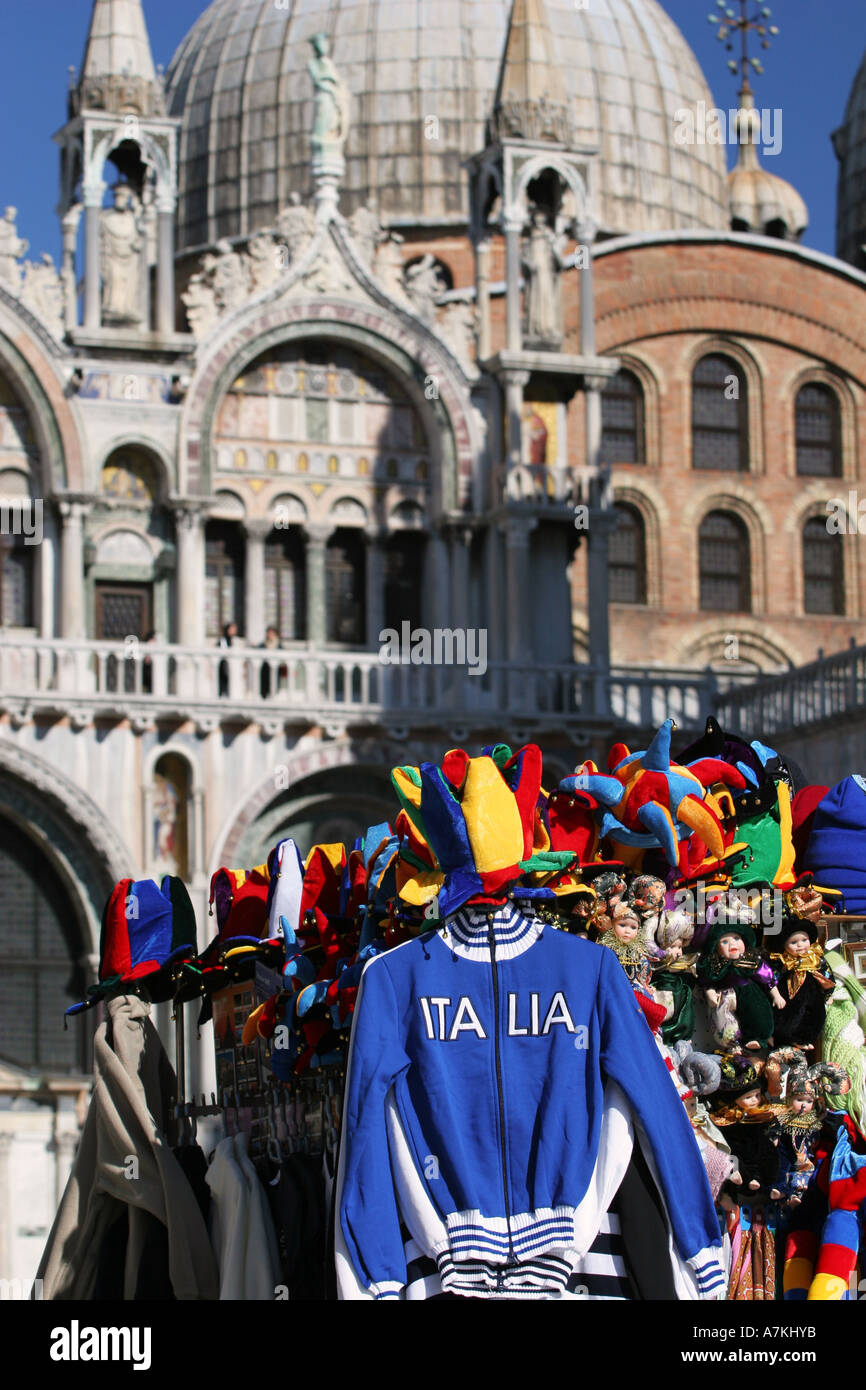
[731,946]
[651,897]
[798,943]
[802,1105]
[750,1101]
[626,929]
[583,906]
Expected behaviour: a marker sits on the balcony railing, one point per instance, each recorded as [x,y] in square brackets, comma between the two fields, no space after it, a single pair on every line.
[309,684]
[824,690]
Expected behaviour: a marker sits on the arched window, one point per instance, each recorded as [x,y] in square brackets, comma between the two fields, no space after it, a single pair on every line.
[823,570]
[285,584]
[627,557]
[723,558]
[345,587]
[40,962]
[404,559]
[622,427]
[818,432]
[224,577]
[720,416]
[16,582]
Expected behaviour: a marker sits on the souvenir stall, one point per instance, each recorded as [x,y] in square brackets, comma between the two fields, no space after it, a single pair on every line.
[601,1040]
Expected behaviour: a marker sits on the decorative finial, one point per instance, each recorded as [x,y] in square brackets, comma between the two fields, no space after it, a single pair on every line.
[330,126]
[729,24]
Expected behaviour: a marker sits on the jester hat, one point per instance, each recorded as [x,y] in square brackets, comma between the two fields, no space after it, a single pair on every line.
[146,930]
[647,801]
[475,820]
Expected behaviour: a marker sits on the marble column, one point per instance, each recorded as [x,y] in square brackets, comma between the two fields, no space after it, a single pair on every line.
[375,579]
[317,540]
[601,521]
[92,214]
[515,382]
[6,1141]
[257,529]
[71,220]
[513,228]
[72,570]
[482,297]
[586,234]
[517,587]
[189,531]
[165,207]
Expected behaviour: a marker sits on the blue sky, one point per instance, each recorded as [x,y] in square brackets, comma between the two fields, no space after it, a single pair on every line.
[809,72]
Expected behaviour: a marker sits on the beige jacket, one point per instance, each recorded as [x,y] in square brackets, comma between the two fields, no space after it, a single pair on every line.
[123,1161]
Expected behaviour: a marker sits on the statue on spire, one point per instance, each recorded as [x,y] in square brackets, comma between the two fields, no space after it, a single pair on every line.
[331,114]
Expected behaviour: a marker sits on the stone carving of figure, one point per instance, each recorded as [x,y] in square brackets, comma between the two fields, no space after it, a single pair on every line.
[457,326]
[543,262]
[228,276]
[201,306]
[120,244]
[11,247]
[42,292]
[331,114]
[424,286]
[296,227]
[389,264]
[165,818]
[366,230]
[266,263]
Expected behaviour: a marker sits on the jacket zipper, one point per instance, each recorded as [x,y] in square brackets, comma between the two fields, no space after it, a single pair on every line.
[491,938]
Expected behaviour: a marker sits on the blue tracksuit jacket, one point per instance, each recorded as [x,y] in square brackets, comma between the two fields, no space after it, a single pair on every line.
[497,1034]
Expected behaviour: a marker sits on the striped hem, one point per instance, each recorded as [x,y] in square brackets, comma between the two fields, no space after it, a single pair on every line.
[528,1235]
[528,1278]
[466,933]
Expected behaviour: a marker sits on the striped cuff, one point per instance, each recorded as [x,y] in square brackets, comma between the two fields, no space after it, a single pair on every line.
[389,1288]
[709,1274]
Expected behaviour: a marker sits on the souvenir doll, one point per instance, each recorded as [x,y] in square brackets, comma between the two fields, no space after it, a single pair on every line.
[646,897]
[805,982]
[620,932]
[610,888]
[797,1126]
[673,975]
[571,912]
[738,985]
[745,1117]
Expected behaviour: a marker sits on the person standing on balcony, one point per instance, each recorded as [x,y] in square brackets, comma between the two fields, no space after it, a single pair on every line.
[271,643]
[230,632]
[147,666]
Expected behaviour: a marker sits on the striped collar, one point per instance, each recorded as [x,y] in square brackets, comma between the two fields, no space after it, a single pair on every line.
[467,935]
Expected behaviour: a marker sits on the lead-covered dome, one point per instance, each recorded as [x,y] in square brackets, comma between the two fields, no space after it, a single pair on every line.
[422,76]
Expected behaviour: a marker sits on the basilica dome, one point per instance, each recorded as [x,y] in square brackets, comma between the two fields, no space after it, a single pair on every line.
[422,76]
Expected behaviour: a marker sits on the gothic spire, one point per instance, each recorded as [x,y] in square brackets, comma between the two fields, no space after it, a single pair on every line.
[117,73]
[531,96]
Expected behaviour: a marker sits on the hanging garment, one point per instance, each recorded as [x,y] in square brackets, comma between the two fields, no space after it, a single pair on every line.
[471,1026]
[241,1229]
[111,1203]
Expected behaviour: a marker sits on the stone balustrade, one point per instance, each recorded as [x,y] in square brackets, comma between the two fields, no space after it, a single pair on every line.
[305,685]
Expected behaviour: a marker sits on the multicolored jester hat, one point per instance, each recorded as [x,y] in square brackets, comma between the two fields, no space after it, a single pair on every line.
[649,801]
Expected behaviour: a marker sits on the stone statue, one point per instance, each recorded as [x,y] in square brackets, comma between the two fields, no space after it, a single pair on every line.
[296,225]
[424,286]
[331,114]
[389,264]
[543,262]
[366,230]
[120,244]
[12,246]
[267,262]
[456,326]
[229,277]
[201,306]
[42,292]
